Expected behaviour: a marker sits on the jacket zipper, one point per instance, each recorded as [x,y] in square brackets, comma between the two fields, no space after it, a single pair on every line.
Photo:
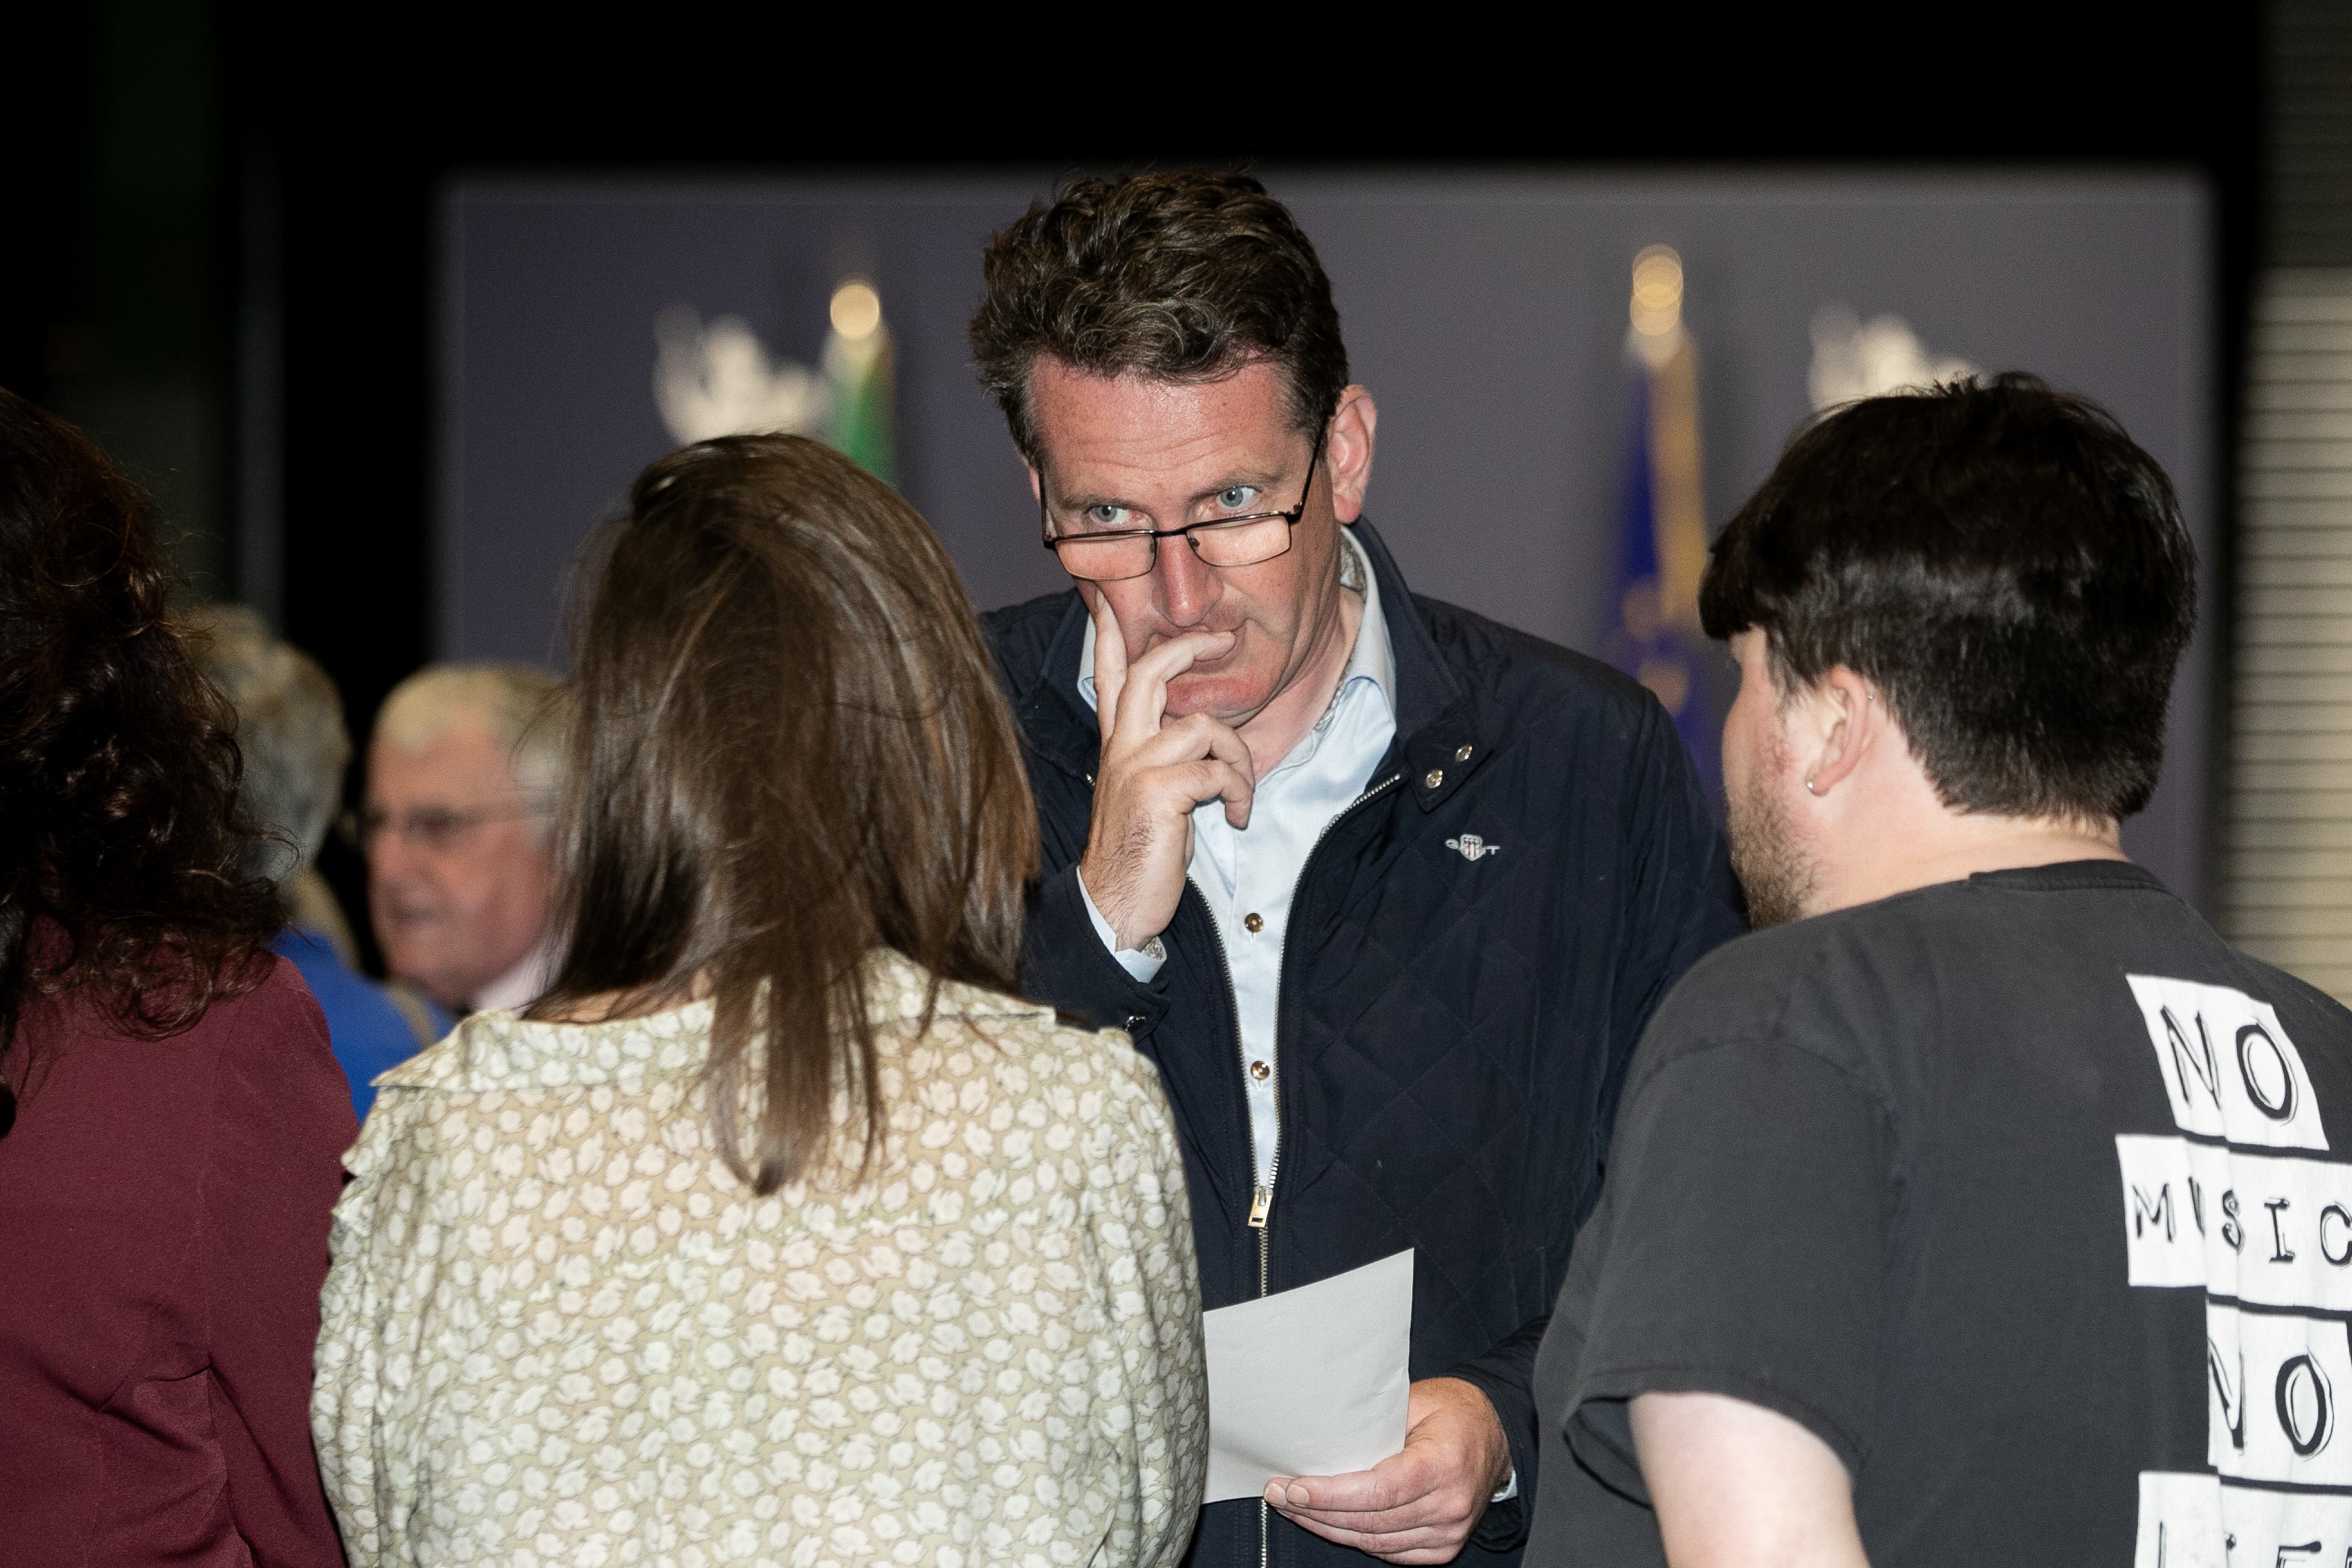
[1261,1209]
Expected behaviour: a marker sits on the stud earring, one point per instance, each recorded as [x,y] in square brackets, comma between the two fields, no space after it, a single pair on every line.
[1808,788]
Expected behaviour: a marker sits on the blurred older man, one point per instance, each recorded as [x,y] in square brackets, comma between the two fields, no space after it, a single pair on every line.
[290,728]
[463,774]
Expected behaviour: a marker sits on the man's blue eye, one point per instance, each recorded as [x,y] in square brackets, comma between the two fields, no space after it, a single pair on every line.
[1233,498]
[1107,516]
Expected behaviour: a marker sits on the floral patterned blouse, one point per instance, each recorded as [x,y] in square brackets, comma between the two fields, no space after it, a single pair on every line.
[558,1331]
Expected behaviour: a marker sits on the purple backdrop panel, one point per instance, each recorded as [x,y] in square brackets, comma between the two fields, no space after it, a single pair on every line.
[1487,313]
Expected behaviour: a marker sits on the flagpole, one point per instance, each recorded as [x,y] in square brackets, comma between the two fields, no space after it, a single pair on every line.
[1663,531]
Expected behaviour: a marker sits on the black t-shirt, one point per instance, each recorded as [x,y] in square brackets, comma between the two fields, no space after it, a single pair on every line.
[2027,1194]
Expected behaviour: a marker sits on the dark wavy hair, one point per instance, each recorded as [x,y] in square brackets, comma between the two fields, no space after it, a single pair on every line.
[119,841]
[1183,274]
[2003,562]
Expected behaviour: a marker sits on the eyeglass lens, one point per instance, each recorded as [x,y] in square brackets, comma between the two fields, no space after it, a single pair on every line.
[1243,543]
[435,829]
[1237,542]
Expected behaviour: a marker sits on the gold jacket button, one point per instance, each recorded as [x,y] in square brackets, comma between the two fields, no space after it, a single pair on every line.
[1431,779]
[1463,754]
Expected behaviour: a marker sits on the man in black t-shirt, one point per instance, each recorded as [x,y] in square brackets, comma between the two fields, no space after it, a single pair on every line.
[1988,1209]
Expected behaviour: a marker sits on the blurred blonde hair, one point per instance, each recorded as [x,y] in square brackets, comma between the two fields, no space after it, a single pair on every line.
[289,729]
[525,710]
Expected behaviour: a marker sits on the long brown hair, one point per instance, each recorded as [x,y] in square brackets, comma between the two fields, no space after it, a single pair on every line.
[121,855]
[790,750]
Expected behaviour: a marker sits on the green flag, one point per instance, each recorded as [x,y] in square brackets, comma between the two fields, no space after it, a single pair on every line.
[858,364]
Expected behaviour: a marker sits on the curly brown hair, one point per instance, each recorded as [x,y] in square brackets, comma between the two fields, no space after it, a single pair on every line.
[119,840]
[1180,274]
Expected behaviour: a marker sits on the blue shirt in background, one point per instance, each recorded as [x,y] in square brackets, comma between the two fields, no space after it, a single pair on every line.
[368,1029]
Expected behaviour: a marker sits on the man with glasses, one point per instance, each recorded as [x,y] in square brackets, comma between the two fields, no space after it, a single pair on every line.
[1386,891]
[462,777]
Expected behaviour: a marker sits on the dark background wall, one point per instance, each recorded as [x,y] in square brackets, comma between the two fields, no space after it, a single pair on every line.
[1487,313]
[245,198]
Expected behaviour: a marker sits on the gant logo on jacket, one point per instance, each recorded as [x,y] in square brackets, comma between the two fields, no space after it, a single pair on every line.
[1472,846]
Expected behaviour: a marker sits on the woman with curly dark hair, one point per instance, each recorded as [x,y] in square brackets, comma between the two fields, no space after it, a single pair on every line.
[171,1116]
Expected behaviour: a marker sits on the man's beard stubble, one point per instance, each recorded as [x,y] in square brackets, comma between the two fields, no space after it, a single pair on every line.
[1764,856]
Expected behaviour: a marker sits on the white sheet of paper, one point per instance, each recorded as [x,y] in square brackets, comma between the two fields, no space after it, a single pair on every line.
[1310,1382]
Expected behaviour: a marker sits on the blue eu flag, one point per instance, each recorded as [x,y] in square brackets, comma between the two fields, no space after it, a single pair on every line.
[1662,550]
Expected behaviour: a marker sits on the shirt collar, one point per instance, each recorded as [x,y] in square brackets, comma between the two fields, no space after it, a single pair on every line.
[1373,658]
[520,986]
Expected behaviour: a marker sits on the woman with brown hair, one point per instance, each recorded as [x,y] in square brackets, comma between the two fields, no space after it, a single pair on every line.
[170,1113]
[779,1231]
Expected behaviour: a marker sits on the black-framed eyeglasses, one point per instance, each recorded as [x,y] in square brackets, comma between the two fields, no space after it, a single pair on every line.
[435,829]
[1113,555]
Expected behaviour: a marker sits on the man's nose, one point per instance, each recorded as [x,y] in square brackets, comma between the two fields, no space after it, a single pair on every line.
[1187,589]
[389,859]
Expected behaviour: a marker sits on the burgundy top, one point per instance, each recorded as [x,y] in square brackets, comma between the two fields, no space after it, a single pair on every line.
[164,1208]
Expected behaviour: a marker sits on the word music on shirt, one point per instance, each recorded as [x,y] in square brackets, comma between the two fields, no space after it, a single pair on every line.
[2236,1204]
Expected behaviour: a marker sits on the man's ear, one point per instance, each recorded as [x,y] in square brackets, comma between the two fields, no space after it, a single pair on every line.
[1849,720]
[1347,451]
[1036,486]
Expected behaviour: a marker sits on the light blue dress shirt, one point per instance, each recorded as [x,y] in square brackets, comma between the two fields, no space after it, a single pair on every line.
[1247,875]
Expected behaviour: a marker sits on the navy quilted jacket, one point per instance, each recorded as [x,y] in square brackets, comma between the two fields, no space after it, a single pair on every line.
[1453,1030]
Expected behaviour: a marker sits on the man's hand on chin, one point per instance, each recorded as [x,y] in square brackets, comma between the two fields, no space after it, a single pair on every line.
[1420,1505]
